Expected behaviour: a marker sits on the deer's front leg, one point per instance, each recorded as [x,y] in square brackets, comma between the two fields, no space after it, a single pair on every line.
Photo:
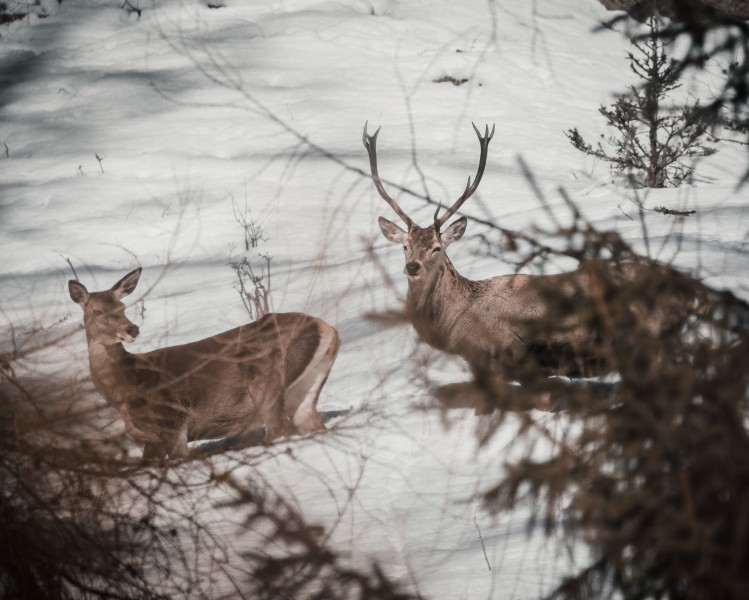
[489,384]
[170,443]
[153,452]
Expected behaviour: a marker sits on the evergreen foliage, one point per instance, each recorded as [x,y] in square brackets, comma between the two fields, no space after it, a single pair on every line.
[653,147]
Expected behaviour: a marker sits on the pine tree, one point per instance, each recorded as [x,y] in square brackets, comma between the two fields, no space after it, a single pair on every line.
[652,146]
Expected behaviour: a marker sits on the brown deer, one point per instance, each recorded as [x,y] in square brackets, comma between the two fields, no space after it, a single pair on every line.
[511,326]
[268,372]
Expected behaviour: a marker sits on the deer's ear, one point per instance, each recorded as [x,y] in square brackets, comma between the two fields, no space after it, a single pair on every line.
[454,232]
[127,284]
[392,232]
[78,292]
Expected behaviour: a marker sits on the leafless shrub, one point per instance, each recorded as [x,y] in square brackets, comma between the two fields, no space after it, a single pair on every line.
[254,288]
[63,491]
[297,560]
[253,231]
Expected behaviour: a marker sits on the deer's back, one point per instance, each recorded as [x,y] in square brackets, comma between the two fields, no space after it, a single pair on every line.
[558,322]
[650,293]
[224,382]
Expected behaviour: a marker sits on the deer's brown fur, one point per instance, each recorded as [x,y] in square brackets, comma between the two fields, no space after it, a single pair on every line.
[268,372]
[516,324]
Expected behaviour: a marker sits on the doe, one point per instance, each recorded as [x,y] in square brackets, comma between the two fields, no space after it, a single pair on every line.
[268,372]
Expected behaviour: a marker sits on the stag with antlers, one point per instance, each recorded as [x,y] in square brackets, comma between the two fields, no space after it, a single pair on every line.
[513,327]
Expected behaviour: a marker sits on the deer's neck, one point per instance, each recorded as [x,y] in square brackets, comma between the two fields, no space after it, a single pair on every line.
[434,304]
[111,369]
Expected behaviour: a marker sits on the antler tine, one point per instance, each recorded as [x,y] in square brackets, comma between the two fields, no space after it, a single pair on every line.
[370,143]
[437,213]
[470,188]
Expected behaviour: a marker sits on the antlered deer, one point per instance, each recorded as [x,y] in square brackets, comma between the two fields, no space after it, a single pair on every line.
[268,372]
[516,324]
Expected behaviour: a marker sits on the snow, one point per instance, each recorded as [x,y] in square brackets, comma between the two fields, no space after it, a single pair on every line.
[134,141]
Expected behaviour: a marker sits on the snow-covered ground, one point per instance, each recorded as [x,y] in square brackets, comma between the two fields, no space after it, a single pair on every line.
[148,140]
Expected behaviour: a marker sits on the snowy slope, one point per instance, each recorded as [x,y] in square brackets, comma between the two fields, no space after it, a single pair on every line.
[137,140]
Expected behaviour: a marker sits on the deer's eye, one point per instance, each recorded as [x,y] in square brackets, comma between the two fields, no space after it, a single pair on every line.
[436,249]
[97,312]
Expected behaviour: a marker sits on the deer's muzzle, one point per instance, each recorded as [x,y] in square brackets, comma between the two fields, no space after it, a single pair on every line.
[131,332]
[412,269]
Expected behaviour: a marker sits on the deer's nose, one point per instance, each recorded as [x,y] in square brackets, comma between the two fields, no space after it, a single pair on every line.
[412,268]
[132,330]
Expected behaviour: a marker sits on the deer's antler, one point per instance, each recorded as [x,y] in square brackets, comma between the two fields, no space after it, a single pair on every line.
[470,187]
[370,143]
